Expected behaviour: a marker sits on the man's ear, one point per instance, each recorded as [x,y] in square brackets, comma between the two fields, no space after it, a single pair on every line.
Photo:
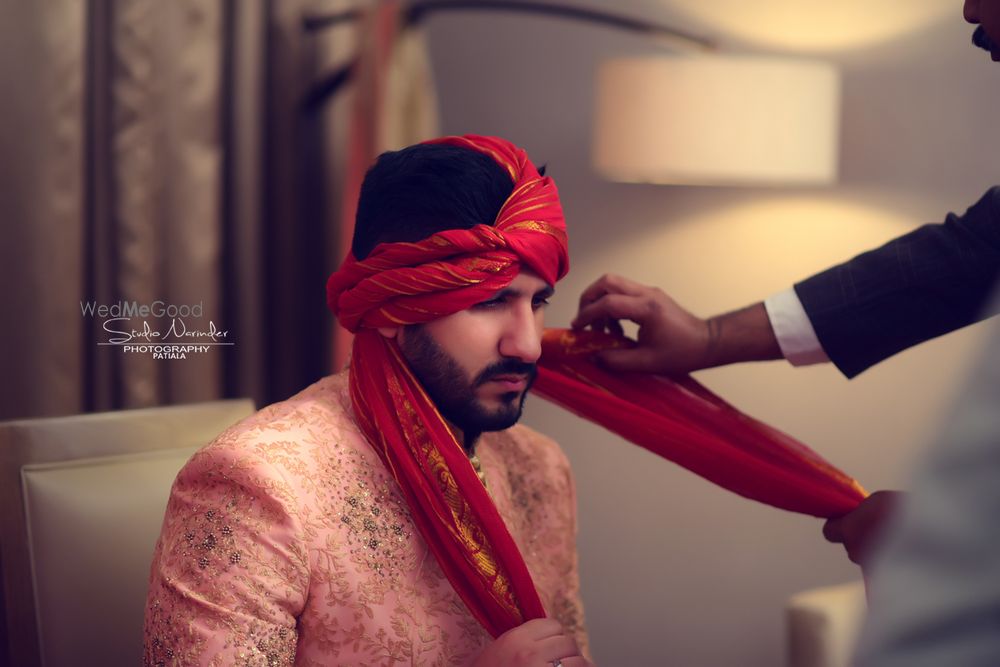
[390,332]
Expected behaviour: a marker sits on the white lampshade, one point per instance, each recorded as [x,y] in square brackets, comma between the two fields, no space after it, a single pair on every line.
[712,120]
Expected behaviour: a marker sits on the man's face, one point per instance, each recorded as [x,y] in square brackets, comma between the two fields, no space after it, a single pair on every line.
[987,14]
[477,364]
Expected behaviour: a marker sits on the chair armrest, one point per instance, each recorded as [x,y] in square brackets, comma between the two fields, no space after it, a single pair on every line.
[823,625]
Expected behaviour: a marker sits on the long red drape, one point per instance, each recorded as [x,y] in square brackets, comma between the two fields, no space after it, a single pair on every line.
[409,283]
[684,422]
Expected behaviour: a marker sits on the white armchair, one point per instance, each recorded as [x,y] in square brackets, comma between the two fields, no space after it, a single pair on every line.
[81,505]
[823,625]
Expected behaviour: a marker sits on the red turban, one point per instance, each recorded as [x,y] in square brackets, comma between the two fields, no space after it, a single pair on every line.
[409,283]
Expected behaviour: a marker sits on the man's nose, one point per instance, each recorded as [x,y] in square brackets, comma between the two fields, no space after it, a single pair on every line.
[971,11]
[522,338]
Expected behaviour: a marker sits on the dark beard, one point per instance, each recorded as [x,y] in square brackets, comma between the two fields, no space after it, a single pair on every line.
[983,41]
[446,384]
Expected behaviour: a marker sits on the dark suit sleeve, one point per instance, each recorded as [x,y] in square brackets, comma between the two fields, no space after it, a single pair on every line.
[935,279]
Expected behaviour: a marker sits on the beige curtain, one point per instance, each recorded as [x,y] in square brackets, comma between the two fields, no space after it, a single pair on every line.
[121,200]
[41,195]
[157,152]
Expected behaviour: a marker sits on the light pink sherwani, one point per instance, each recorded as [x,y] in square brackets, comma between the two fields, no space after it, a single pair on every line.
[286,542]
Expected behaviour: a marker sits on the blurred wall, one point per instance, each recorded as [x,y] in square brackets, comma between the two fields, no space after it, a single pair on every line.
[676,571]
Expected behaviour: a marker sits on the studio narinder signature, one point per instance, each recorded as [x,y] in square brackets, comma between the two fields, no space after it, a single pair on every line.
[123,332]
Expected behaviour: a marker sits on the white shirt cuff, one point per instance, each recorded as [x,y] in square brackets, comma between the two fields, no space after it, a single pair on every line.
[796,336]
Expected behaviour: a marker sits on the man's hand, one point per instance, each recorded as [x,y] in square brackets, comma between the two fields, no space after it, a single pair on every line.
[537,643]
[672,341]
[860,529]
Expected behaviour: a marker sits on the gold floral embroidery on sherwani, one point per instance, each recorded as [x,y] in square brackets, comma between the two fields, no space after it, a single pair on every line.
[286,542]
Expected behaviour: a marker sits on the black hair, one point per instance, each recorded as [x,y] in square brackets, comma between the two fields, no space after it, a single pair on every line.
[410,194]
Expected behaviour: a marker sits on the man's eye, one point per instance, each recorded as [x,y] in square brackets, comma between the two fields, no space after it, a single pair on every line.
[539,303]
[492,303]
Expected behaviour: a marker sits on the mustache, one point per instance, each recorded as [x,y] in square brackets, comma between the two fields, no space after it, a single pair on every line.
[982,40]
[507,367]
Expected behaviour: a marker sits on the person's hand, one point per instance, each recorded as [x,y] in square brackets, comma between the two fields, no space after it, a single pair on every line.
[671,340]
[541,642]
[860,529]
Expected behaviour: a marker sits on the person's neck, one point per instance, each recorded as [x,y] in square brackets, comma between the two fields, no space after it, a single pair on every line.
[467,439]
